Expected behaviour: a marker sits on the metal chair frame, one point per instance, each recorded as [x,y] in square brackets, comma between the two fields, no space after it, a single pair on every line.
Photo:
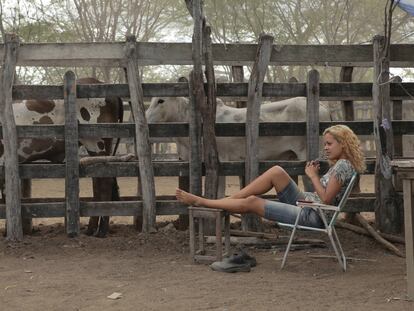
[329,227]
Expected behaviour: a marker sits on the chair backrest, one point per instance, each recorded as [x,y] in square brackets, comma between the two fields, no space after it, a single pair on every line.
[345,197]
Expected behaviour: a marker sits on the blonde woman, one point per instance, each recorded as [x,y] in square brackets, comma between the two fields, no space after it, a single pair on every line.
[341,148]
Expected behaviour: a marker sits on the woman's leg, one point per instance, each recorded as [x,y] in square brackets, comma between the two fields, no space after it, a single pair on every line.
[250,204]
[275,177]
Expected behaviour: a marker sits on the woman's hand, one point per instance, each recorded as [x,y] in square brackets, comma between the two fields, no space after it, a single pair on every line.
[328,193]
[312,169]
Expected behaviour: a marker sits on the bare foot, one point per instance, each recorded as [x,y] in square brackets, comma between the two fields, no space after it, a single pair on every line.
[187,198]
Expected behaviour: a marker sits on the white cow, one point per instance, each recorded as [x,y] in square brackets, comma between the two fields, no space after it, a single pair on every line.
[169,109]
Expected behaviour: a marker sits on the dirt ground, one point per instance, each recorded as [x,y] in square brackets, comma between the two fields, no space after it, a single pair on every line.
[49,271]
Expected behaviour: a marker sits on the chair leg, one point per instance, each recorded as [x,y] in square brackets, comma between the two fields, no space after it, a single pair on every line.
[341,251]
[333,237]
[338,250]
[290,241]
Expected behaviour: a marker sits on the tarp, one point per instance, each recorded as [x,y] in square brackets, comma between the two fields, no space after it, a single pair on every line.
[407,5]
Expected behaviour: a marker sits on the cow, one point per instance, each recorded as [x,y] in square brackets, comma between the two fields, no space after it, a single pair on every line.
[170,109]
[90,110]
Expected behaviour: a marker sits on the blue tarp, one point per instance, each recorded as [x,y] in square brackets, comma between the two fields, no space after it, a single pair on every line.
[407,5]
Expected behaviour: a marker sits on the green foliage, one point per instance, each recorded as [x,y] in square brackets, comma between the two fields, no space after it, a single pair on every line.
[44,31]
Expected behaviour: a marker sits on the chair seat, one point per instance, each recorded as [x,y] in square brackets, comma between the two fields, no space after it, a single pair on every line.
[281,224]
[318,205]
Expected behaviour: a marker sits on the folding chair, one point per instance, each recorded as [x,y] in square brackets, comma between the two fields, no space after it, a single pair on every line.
[329,228]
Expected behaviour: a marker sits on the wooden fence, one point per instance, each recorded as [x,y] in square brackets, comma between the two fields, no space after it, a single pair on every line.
[112,54]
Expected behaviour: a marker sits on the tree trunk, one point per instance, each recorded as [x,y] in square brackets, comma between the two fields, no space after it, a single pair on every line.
[11,164]
[387,211]
[254,101]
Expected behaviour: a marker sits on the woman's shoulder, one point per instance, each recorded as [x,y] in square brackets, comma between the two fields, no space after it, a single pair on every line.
[345,163]
[343,170]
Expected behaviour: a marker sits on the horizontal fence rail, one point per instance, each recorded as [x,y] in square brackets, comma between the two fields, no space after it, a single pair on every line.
[328,91]
[151,53]
[165,205]
[126,130]
[161,168]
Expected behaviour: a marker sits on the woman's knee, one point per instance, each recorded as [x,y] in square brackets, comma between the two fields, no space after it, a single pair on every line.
[277,170]
[252,204]
[280,178]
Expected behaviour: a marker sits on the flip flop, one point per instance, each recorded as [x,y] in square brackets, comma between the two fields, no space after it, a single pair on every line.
[230,267]
[241,257]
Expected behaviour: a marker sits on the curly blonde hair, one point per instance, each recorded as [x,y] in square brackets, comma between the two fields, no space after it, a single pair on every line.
[350,144]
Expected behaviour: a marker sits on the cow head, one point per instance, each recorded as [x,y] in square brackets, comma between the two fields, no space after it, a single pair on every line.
[168,109]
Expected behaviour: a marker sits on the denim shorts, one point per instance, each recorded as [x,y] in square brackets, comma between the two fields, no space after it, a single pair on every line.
[286,211]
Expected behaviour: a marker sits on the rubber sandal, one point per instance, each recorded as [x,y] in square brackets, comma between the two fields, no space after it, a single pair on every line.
[241,257]
[229,267]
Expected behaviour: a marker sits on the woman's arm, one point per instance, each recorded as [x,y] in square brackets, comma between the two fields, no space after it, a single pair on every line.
[327,194]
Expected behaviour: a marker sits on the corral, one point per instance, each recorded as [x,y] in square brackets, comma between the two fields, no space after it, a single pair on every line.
[150,53]
[131,54]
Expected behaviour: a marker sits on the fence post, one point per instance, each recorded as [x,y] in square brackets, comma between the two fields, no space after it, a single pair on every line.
[143,149]
[254,101]
[348,105]
[199,103]
[195,165]
[312,121]
[11,159]
[397,115]
[72,156]
[349,115]
[237,73]
[387,212]
[211,159]
[197,96]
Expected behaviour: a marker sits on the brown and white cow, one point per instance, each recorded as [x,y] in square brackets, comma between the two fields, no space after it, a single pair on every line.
[91,110]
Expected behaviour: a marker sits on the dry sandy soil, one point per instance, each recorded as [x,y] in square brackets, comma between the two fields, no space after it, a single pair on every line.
[49,271]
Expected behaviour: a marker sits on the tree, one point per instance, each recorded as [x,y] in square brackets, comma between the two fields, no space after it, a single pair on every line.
[304,22]
[87,21]
[105,21]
